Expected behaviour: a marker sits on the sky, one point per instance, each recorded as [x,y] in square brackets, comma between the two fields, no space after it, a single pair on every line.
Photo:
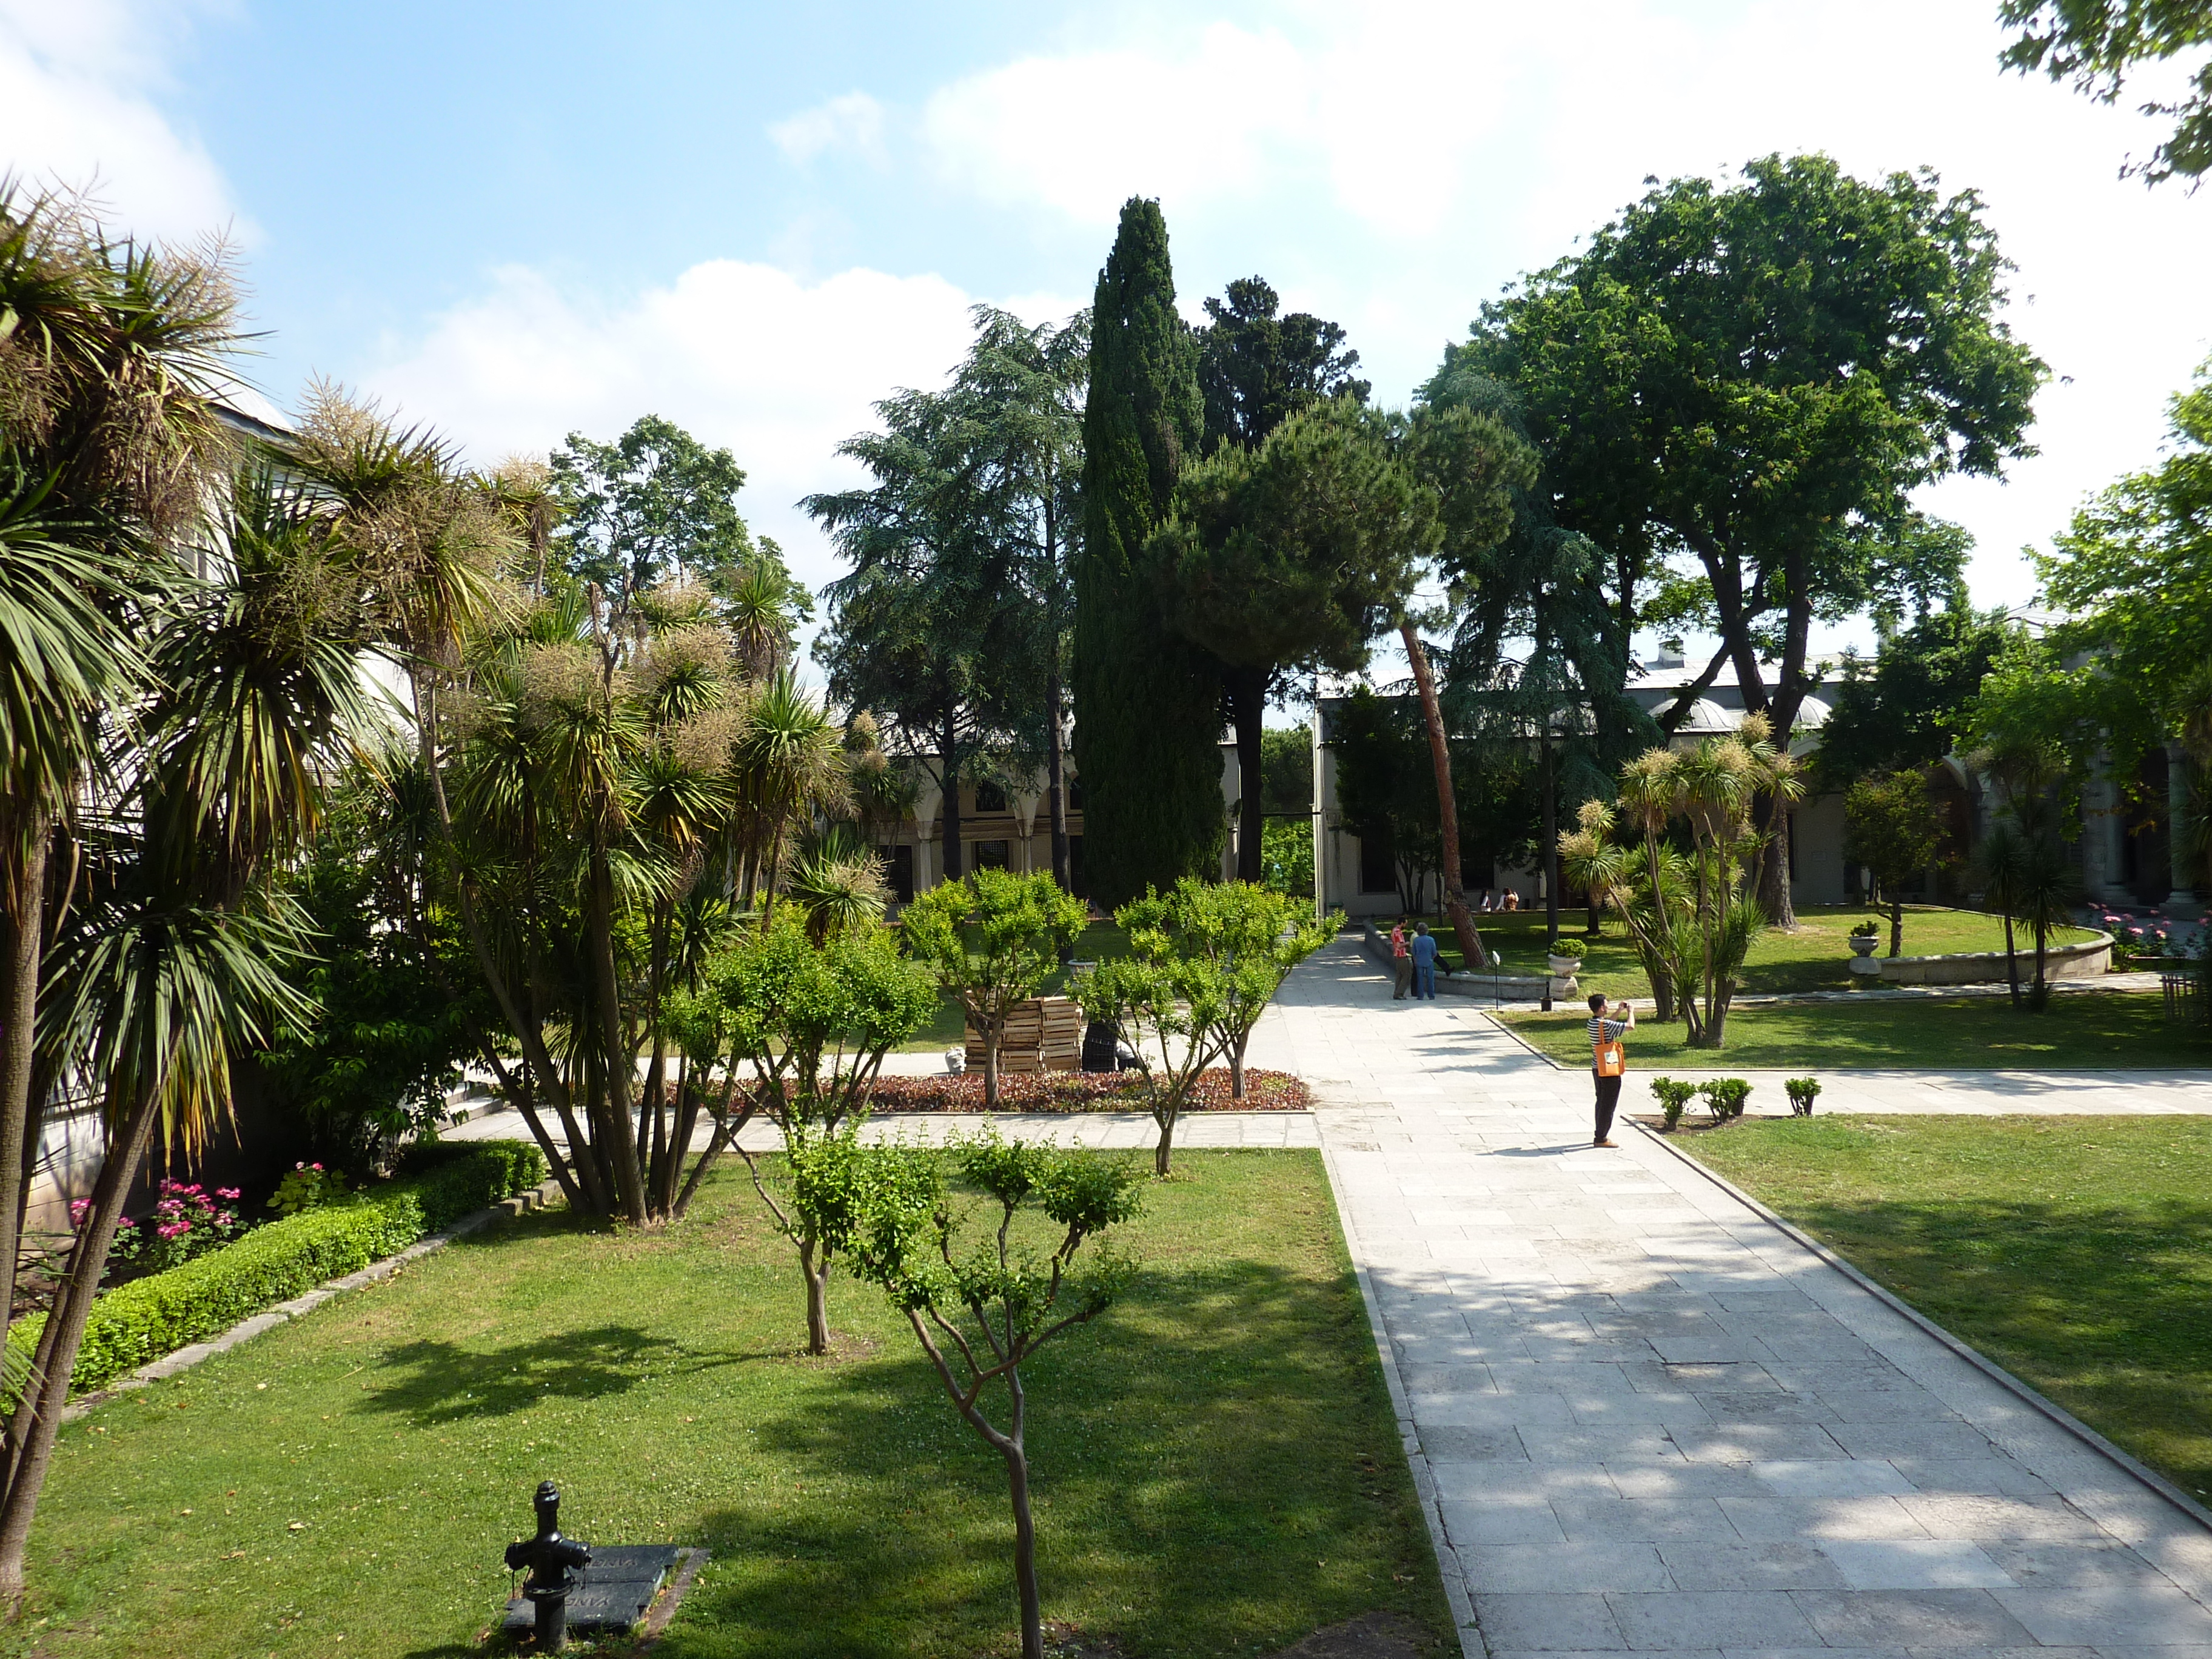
[510,222]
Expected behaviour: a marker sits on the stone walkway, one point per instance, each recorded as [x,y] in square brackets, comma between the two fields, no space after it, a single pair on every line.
[1642,1417]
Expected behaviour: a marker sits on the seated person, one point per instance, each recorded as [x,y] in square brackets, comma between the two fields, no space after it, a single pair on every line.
[1512,899]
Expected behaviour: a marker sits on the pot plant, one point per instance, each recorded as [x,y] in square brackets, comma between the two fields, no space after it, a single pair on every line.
[1565,956]
[1864,938]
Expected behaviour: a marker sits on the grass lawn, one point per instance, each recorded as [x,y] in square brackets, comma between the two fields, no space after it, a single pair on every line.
[1814,958]
[2120,1029]
[1216,1468]
[2075,1252]
[1097,942]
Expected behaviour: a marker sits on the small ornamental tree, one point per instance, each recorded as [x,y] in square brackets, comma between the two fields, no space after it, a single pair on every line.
[813,1024]
[1255,936]
[1895,829]
[992,938]
[979,1313]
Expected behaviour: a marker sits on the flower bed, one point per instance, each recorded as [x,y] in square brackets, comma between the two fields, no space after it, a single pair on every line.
[140,1322]
[1084,1091]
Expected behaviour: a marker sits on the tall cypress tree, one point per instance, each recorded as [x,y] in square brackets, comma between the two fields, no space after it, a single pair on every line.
[1147,702]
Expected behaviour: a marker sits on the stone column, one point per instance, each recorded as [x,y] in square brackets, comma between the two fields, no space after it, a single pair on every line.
[2182,902]
[2103,824]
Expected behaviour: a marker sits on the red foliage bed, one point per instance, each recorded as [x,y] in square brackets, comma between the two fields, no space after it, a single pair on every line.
[1083,1091]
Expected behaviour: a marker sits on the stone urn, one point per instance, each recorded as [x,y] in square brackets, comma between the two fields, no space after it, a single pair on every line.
[1563,970]
[1863,961]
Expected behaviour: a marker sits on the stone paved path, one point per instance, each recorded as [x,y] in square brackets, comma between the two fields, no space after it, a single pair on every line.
[1643,1418]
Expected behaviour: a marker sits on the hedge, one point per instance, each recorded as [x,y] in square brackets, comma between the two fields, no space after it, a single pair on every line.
[138,1322]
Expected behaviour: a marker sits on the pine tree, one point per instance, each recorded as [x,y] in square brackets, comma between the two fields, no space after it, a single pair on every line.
[1147,702]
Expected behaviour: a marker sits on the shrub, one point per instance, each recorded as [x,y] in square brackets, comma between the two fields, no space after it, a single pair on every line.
[1568,947]
[1802,1091]
[1673,1095]
[140,1322]
[1869,929]
[1725,1097]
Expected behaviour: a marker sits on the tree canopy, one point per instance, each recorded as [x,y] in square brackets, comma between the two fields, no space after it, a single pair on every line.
[1751,379]
[2098,43]
[1255,369]
[1147,702]
[1906,707]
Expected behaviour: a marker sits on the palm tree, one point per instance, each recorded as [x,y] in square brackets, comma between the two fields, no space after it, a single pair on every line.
[173,958]
[110,352]
[2001,867]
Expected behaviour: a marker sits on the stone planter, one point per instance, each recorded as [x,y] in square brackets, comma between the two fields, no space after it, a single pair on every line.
[1863,945]
[1563,967]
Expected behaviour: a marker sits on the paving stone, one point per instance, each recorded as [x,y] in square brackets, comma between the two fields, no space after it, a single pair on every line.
[1699,1618]
[1719,1565]
[1611,1565]
[1551,1623]
[1881,1563]
[1727,1433]
[1914,1619]
[2101,1615]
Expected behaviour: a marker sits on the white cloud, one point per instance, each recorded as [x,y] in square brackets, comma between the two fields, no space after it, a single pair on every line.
[852,122]
[1393,164]
[745,356]
[1083,132]
[78,81]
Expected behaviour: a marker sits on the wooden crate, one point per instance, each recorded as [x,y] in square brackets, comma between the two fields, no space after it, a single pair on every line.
[1044,1033]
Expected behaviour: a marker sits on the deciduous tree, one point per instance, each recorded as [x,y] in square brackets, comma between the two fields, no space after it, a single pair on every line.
[981,1313]
[1754,377]
[1893,826]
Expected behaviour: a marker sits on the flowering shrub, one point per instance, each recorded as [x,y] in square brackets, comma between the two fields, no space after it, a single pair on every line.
[1083,1091]
[308,1187]
[187,1221]
[2132,939]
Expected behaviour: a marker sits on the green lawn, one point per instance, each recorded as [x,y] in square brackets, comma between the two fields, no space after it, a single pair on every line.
[1216,1466]
[1096,943]
[2076,1252]
[1814,958]
[2115,1030]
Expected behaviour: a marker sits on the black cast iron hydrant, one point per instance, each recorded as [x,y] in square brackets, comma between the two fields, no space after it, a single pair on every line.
[552,1562]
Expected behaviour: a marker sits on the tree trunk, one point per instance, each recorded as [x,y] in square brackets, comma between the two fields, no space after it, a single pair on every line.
[1162,1152]
[1055,767]
[1896,925]
[600,922]
[948,773]
[1551,832]
[39,1413]
[1017,1487]
[2039,998]
[2012,963]
[1237,1067]
[1248,708]
[1471,950]
[818,1297]
[991,1032]
[22,934]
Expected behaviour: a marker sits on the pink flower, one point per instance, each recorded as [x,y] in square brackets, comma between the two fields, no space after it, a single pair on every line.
[229,1194]
[175,1230]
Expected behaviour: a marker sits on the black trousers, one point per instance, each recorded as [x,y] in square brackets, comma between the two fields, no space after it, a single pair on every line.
[1608,1097]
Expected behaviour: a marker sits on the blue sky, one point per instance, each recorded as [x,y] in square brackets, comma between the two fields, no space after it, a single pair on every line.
[513,221]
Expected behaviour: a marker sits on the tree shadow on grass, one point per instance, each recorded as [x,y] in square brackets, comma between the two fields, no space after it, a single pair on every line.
[1196,1457]
[2106,1307]
[432,1383]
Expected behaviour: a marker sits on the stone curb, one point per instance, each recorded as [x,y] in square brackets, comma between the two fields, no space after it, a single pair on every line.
[169,1365]
[1981,1362]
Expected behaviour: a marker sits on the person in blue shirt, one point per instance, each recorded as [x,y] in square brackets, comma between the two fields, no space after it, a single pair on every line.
[1424,963]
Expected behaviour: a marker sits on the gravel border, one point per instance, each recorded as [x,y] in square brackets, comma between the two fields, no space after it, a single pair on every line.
[269,1319]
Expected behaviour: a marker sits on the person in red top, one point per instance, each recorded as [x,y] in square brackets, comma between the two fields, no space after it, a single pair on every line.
[1609,1059]
[1401,962]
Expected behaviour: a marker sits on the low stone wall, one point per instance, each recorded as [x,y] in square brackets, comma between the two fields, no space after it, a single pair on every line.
[2086,960]
[1489,987]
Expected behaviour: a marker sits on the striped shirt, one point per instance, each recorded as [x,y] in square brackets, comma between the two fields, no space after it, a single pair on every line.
[1602,1030]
